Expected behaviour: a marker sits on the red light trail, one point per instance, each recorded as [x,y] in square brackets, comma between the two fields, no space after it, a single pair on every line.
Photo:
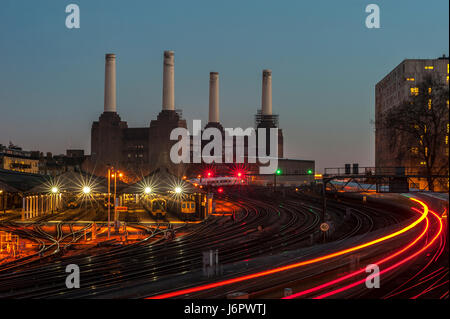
[391,267]
[299,264]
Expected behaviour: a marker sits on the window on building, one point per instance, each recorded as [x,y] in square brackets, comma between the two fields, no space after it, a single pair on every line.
[414,91]
[415,150]
[410,79]
[429,67]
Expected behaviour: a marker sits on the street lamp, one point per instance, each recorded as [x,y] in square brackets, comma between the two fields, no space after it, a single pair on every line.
[178,190]
[86,190]
[147,190]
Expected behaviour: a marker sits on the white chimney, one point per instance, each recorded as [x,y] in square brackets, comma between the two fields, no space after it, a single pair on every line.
[168,101]
[213,97]
[110,83]
[266,103]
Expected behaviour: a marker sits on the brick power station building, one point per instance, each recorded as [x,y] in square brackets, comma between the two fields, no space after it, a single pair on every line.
[139,151]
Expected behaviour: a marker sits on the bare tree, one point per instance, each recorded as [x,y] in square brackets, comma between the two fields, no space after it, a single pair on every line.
[419,127]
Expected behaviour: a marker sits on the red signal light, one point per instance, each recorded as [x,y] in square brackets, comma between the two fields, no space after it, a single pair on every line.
[220,190]
[208,173]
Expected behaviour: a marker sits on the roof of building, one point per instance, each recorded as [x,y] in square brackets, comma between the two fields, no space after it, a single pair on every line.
[161,181]
[21,182]
[75,181]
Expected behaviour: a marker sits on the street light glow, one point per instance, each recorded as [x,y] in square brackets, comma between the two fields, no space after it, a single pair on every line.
[147,190]
[178,190]
[55,190]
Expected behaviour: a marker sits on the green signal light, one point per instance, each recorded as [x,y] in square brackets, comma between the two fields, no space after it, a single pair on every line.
[278,172]
[310,171]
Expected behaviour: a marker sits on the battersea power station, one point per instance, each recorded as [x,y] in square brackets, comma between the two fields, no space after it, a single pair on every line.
[142,150]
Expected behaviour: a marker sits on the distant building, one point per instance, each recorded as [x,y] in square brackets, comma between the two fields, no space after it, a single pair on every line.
[392,91]
[59,164]
[15,159]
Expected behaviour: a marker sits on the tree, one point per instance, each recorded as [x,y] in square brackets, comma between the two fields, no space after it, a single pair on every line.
[420,126]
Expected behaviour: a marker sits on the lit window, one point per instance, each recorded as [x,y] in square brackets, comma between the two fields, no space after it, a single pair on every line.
[410,79]
[429,104]
[414,91]
[423,163]
[429,90]
[415,150]
[446,140]
[429,67]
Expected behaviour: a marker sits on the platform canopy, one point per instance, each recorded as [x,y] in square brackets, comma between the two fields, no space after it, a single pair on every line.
[76,182]
[160,181]
[12,181]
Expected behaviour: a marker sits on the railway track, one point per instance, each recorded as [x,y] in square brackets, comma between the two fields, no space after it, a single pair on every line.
[259,229]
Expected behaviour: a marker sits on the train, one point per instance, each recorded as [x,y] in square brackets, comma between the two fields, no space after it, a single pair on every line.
[185,209]
[72,202]
[218,181]
[188,210]
[158,207]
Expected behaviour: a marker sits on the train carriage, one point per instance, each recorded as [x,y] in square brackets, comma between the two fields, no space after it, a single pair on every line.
[158,207]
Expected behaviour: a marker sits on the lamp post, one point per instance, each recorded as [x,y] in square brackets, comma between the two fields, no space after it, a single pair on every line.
[115,198]
[109,202]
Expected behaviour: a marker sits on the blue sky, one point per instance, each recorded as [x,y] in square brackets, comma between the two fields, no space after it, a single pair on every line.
[325,65]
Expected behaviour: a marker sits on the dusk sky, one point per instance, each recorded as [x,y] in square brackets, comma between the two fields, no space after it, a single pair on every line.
[324,61]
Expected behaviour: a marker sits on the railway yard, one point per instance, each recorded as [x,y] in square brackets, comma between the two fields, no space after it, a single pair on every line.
[265,247]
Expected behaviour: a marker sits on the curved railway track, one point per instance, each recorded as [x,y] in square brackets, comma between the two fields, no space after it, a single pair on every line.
[259,229]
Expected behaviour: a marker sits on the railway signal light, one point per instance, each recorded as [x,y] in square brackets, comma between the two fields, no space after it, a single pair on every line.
[209,173]
[310,171]
[278,172]
[220,190]
[239,173]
